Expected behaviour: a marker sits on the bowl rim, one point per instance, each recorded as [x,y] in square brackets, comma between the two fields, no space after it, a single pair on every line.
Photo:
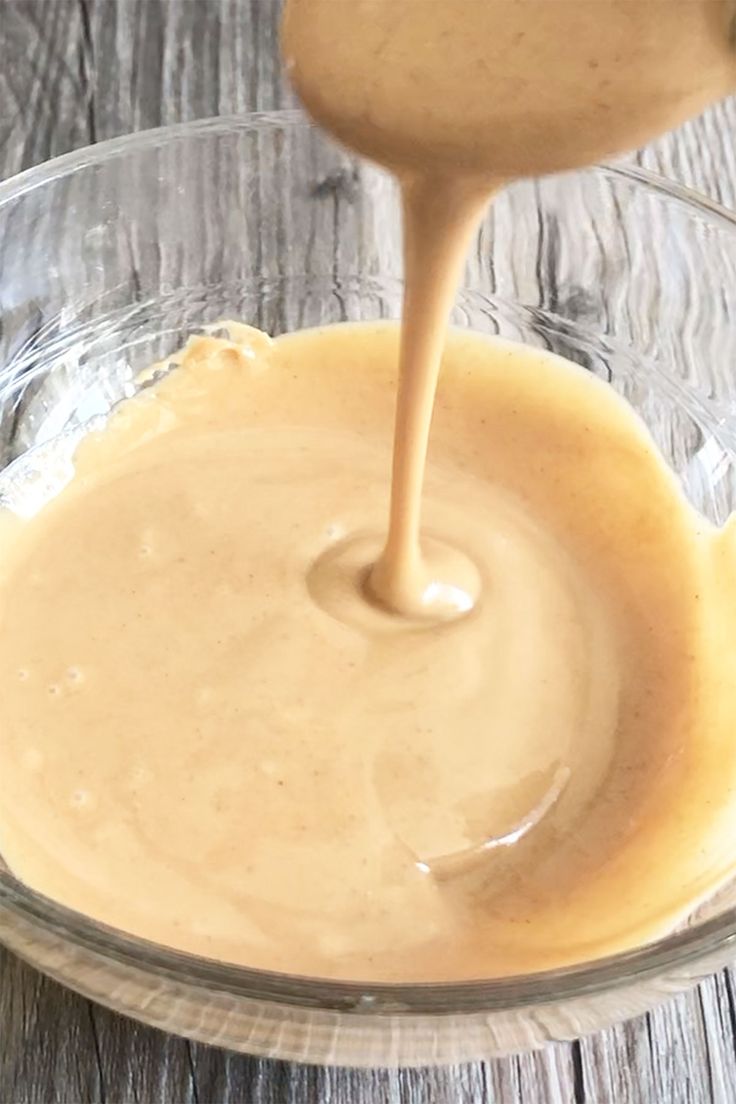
[716,936]
[27,180]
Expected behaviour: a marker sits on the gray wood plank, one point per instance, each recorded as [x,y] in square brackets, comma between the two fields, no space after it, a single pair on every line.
[78,71]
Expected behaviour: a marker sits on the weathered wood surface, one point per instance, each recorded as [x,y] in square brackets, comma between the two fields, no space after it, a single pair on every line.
[78,71]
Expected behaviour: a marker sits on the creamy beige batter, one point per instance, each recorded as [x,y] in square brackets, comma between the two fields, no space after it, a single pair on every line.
[238,719]
[212,740]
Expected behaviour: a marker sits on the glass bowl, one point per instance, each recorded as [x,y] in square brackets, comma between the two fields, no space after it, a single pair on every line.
[112,255]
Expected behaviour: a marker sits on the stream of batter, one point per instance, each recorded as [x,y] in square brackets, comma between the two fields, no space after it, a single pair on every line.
[242,716]
[458,97]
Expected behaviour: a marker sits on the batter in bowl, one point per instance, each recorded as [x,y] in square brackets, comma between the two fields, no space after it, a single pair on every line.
[213,739]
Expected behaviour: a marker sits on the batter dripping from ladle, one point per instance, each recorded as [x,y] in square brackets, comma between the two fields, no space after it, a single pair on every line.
[457,98]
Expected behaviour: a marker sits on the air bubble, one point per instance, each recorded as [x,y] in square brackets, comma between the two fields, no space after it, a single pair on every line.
[335,531]
[81,799]
[148,543]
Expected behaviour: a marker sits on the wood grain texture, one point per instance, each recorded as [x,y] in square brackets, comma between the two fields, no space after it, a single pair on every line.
[78,71]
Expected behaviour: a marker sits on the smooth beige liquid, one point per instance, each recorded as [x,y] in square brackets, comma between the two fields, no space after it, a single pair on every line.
[211,739]
[239,720]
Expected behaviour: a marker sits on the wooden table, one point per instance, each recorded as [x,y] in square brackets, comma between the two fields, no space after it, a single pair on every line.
[78,71]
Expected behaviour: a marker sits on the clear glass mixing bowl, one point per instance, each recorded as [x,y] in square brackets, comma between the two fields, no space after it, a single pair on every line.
[112,255]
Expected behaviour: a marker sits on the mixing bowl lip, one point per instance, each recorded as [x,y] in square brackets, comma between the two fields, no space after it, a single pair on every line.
[67,163]
[678,951]
[642,964]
